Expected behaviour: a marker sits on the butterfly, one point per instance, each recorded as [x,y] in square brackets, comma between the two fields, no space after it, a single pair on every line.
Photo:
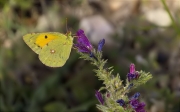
[53,48]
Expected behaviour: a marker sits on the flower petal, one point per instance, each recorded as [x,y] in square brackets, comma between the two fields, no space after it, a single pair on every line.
[82,48]
[137,106]
[132,68]
[99,97]
[134,103]
[135,96]
[121,102]
[82,39]
[140,107]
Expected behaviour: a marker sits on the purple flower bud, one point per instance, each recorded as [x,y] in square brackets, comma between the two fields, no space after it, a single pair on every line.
[135,96]
[92,56]
[136,75]
[83,45]
[99,97]
[132,68]
[108,95]
[132,74]
[121,102]
[130,86]
[101,44]
[140,107]
[135,104]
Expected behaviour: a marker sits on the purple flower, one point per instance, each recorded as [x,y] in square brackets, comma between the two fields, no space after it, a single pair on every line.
[101,44]
[140,108]
[83,45]
[135,104]
[99,97]
[121,102]
[132,74]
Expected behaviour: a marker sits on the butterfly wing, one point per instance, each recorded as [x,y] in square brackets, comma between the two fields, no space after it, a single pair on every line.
[56,52]
[30,40]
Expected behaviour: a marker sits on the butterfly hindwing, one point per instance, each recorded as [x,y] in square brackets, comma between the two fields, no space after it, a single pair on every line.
[55,53]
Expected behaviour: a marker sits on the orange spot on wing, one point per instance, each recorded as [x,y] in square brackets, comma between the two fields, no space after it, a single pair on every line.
[44,39]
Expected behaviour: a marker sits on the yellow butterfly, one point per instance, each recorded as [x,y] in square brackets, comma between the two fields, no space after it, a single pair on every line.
[53,48]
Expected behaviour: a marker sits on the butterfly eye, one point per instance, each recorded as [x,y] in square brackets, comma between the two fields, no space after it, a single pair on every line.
[45,37]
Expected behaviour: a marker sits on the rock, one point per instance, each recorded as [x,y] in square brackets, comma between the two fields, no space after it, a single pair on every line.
[42,23]
[96,27]
[141,60]
[115,4]
[8,43]
[158,106]
[158,17]
[48,22]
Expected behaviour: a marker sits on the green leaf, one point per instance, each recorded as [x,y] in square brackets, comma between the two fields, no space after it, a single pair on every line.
[55,107]
[83,107]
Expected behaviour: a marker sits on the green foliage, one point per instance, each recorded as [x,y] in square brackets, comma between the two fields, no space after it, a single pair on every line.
[144,77]
[25,83]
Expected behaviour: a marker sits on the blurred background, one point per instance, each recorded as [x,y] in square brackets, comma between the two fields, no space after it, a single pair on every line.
[144,32]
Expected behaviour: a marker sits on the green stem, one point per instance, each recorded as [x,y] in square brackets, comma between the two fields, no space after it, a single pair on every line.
[170,15]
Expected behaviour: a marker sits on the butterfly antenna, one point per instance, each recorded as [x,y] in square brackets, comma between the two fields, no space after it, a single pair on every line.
[68,31]
[66,25]
[74,35]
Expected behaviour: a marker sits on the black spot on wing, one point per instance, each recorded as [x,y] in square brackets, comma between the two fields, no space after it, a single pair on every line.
[37,45]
